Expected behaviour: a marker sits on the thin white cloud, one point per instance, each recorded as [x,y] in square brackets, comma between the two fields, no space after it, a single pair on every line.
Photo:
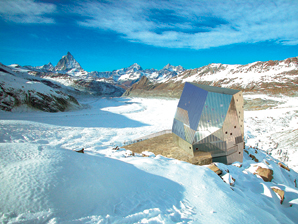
[195,24]
[26,11]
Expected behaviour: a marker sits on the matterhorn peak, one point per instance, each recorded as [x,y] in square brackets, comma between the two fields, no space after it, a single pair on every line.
[67,62]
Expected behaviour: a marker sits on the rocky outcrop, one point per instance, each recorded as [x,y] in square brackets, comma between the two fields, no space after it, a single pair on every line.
[265,174]
[12,98]
[17,89]
[280,193]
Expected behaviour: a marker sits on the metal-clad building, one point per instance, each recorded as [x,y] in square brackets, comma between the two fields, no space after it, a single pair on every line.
[210,119]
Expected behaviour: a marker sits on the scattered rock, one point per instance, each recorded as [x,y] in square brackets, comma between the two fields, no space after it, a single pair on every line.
[265,174]
[80,151]
[256,151]
[129,153]
[116,148]
[246,151]
[253,158]
[148,154]
[283,166]
[295,183]
[239,165]
[228,179]
[267,162]
[215,169]
[280,193]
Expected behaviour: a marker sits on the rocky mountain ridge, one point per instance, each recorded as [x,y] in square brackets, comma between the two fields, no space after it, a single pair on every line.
[271,77]
[22,90]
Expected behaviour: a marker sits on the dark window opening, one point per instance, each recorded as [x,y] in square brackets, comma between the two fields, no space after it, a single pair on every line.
[239,152]
[230,133]
[197,149]
[226,132]
[234,126]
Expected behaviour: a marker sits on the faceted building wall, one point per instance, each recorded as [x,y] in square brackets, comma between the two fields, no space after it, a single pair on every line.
[210,119]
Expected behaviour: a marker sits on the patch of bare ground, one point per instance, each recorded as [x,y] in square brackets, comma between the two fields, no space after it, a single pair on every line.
[165,146]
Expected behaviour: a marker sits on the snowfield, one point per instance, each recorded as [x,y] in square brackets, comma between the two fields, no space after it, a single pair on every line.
[43,180]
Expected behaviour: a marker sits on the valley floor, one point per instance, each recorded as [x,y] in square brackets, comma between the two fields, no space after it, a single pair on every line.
[43,180]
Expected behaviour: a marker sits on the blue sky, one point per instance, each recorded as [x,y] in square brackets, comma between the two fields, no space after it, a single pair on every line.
[108,35]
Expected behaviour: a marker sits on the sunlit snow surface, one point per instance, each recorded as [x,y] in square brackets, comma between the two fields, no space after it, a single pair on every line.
[42,180]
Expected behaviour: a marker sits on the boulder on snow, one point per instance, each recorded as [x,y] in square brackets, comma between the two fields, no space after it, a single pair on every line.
[253,158]
[283,166]
[215,169]
[280,193]
[80,151]
[265,174]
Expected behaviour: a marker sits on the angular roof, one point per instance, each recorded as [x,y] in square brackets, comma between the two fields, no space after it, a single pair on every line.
[216,89]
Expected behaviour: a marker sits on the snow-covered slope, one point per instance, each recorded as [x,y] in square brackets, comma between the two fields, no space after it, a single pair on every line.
[44,181]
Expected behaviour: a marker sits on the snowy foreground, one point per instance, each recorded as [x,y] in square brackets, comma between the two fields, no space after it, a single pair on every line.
[43,180]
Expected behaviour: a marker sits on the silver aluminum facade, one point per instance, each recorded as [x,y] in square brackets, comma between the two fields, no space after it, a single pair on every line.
[210,119]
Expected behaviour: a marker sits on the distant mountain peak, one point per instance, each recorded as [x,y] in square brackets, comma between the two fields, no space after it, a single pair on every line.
[170,67]
[67,62]
[135,66]
[167,66]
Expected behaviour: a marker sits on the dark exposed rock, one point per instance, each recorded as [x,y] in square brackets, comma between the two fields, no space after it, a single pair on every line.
[283,166]
[253,158]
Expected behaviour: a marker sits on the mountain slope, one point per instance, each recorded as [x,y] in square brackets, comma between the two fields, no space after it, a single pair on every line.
[272,77]
[69,73]
[20,89]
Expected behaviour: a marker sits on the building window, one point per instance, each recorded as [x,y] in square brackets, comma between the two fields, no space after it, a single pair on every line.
[226,132]
[197,149]
[234,126]
[230,133]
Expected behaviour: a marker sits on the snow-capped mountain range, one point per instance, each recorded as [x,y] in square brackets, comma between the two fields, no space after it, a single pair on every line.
[272,77]
[69,72]
[132,74]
